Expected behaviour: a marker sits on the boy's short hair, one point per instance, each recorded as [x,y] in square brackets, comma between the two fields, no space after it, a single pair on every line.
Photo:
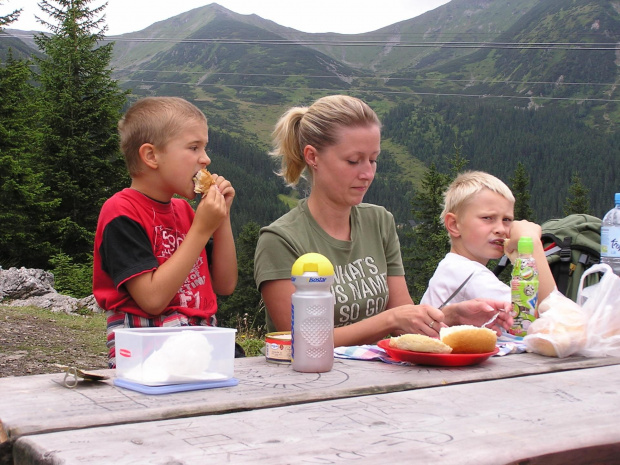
[153,120]
[468,184]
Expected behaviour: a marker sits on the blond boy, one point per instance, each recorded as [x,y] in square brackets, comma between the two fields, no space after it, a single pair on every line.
[479,217]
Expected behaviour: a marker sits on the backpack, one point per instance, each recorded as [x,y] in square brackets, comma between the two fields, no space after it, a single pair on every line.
[572,245]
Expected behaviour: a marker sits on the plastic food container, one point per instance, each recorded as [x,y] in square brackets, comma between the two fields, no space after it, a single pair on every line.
[186,354]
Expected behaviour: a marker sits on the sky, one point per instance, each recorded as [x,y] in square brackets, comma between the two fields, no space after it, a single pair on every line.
[343,16]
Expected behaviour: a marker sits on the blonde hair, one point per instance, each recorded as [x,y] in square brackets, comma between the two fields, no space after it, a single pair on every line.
[153,120]
[468,184]
[316,125]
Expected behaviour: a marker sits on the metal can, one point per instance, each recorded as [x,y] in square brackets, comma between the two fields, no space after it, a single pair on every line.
[278,347]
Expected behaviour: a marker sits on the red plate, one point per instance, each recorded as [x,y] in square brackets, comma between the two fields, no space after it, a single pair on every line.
[425,358]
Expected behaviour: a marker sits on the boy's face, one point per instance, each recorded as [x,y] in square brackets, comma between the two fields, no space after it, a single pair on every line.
[481,226]
[182,157]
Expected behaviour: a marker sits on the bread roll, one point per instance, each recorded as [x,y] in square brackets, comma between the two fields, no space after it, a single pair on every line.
[420,343]
[543,344]
[468,339]
[560,331]
[202,181]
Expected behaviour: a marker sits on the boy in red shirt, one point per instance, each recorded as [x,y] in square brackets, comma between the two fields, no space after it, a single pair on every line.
[151,266]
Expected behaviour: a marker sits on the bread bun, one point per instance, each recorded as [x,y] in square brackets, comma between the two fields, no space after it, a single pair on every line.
[420,343]
[560,331]
[468,339]
[202,181]
[543,344]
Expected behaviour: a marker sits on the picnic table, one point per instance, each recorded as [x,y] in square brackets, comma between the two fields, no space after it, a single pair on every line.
[506,409]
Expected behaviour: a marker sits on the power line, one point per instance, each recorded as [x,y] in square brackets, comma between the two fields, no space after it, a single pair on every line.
[361,78]
[394,44]
[380,91]
[599,46]
[383,78]
[594,46]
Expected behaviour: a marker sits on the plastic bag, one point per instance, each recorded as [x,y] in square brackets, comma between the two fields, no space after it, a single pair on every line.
[601,304]
[560,330]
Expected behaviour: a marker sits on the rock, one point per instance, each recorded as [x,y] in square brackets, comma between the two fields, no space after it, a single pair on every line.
[22,283]
[90,303]
[22,287]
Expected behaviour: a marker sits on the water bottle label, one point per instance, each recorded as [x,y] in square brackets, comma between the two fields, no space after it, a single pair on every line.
[610,241]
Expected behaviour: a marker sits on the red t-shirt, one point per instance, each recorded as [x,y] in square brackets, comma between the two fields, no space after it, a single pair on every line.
[135,234]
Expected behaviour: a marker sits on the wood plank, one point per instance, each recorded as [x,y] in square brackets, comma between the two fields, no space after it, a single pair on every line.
[41,403]
[553,418]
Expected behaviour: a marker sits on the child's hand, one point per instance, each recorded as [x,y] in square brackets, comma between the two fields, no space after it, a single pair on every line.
[211,211]
[522,228]
[518,229]
[226,188]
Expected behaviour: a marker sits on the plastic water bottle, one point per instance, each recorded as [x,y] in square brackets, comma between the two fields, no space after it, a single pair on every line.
[524,288]
[610,237]
[312,329]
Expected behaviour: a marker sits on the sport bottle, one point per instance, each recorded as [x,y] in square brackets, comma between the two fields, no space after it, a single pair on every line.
[312,310]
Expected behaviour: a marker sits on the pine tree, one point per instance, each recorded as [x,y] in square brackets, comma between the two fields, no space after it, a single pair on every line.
[520,183]
[428,238]
[24,204]
[457,162]
[80,108]
[578,200]
[10,18]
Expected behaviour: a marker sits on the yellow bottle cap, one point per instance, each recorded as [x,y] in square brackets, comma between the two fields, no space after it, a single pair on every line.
[312,262]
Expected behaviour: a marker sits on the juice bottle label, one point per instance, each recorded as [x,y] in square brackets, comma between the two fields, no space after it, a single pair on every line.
[524,292]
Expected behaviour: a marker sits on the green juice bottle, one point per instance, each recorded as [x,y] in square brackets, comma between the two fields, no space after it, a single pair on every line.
[524,288]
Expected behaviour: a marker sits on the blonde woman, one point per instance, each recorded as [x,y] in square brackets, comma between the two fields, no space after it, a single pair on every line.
[336,142]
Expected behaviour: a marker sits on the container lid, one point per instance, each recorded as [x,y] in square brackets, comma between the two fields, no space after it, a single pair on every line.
[170,388]
[312,262]
[526,245]
[617,198]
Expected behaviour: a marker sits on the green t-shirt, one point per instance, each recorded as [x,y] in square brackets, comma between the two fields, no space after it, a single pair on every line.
[361,265]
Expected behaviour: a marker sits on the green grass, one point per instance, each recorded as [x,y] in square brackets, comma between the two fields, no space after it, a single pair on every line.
[90,329]
[413,170]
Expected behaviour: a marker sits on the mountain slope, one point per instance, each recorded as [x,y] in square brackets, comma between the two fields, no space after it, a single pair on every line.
[387,50]
[19,42]
[418,42]
[434,79]
[576,58]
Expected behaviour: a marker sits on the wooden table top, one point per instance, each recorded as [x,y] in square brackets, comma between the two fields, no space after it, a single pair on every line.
[41,403]
[551,418]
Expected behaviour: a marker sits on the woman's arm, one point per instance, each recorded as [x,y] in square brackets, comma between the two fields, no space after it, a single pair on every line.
[404,317]
[477,312]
